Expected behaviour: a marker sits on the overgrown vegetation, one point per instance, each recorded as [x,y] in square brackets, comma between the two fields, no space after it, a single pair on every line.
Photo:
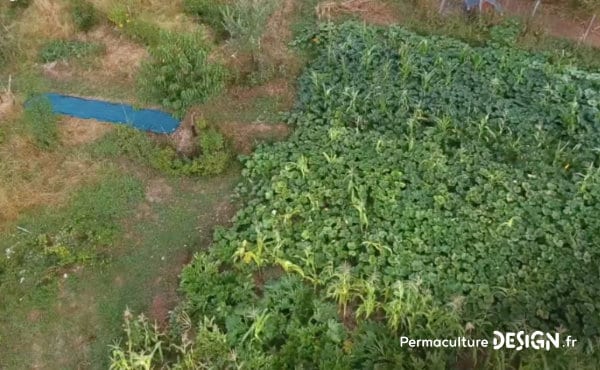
[209,12]
[84,15]
[55,50]
[179,73]
[41,123]
[432,189]
[244,21]
[213,156]
[134,27]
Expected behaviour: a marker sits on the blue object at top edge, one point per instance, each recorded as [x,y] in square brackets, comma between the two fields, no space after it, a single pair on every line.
[144,119]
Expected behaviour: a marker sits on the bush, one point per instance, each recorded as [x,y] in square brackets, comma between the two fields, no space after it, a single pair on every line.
[179,73]
[138,146]
[41,123]
[84,15]
[209,12]
[68,49]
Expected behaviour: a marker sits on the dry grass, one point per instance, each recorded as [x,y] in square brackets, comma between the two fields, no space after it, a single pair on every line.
[30,177]
[370,11]
[45,19]
[75,131]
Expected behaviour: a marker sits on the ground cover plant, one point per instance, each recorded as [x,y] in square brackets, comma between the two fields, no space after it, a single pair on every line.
[212,158]
[179,73]
[56,50]
[431,189]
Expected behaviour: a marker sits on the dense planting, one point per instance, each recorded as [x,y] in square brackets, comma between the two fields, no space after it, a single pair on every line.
[431,189]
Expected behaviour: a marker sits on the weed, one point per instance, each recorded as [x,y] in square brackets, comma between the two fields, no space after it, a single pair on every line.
[179,73]
[41,123]
[244,20]
[68,49]
[209,12]
[84,15]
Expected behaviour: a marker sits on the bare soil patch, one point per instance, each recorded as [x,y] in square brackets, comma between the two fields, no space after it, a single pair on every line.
[557,20]
[158,191]
[245,137]
[370,11]
[7,105]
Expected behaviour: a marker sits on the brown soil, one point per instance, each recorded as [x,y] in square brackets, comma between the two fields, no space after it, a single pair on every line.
[370,11]
[281,88]
[556,21]
[245,136]
[7,105]
[119,63]
[75,131]
[278,34]
[158,191]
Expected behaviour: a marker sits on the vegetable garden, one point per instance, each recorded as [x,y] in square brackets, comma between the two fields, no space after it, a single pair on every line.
[431,189]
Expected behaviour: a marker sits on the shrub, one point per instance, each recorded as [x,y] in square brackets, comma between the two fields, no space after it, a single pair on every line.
[179,73]
[68,49]
[207,11]
[41,123]
[84,15]
[138,146]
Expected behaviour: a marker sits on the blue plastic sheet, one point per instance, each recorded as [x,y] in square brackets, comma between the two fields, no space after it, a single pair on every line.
[144,119]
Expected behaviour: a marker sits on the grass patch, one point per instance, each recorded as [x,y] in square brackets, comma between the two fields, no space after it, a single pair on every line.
[68,49]
[41,123]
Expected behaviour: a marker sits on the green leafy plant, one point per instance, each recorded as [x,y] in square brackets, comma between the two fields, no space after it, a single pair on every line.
[179,73]
[213,159]
[68,49]
[209,12]
[432,189]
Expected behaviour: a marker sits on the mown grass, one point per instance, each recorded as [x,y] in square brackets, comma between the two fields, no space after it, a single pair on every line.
[84,310]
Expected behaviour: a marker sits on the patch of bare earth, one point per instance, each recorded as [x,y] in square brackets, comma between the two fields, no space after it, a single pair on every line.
[75,131]
[158,191]
[7,105]
[117,65]
[370,11]
[245,137]
[557,21]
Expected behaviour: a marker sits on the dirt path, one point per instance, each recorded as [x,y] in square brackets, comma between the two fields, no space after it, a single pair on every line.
[557,21]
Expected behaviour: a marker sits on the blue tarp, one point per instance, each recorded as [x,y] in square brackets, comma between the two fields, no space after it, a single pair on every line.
[144,119]
[473,4]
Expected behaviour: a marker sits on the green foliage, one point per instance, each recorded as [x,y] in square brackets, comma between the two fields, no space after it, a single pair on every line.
[68,49]
[431,189]
[179,73]
[41,123]
[84,15]
[244,21]
[213,159]
[506,34]
[207,11]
